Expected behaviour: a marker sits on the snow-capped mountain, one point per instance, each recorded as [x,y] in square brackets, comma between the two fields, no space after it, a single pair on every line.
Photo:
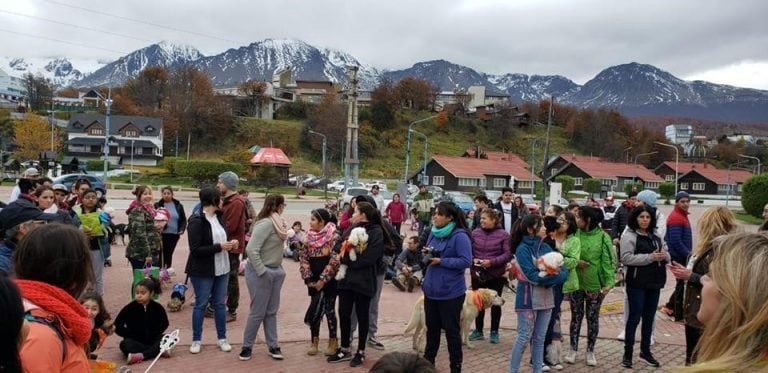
[61,71]
[522,87]
[444,75]
[160,54]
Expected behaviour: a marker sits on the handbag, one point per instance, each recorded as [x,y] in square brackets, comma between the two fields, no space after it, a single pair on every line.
[315,310]
[140,274]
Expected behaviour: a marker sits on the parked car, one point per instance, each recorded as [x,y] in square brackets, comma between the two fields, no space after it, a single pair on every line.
[533,206]
[463,201]
[70,179]
[437,192]
[381,184]
[387,195]
[316,183]
[350,192]
[338,185]
[493,195]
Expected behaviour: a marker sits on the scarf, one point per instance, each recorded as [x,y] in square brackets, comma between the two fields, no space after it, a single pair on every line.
[148,207]
[279,225]
[317,239]
[75,322]
[443,232]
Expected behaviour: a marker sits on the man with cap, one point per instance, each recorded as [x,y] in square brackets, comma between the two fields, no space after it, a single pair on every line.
[30,174]
[233,208]
[423,203]
[679,239]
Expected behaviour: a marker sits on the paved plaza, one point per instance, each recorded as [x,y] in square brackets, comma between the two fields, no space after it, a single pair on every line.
[395,311]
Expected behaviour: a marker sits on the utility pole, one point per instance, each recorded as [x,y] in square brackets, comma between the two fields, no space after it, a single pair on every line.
[108,103]
[352,163]
[544,177]
[533,166]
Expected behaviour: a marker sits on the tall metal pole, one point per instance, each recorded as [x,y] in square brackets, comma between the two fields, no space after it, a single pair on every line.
[634,177]
[132,152]
[324,148]
[352,163]
[408,145]
[546,153]
[677,162]
[755,158]
[533,166]
[108,103]
[53,122]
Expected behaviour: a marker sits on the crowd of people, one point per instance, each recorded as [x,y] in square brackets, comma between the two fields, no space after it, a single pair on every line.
[52,282]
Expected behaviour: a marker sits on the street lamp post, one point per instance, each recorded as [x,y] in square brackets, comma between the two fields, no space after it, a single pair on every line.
[728,191]
[424,177]
[634,177]
[325,188]
[755,158]
[108,103]
[677,161]
[533,165]
[132,152]
[408,145]
[627,151]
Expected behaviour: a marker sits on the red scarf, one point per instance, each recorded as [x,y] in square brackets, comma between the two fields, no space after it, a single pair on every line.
[148,207]
[74,319]
[317,239]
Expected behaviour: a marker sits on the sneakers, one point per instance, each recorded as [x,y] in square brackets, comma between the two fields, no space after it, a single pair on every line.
[245,354]
[231,316]
[340,356]
[398,284]
[591,361]
[622,335]
[626,362]
[476,335]
[570,358]
[648,359]
[358,359]
[194,348]
[374,342]
[134,358]
[224,345]
[494,337]
[275,353]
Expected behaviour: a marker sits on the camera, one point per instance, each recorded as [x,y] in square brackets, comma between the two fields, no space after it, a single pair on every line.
[429,253]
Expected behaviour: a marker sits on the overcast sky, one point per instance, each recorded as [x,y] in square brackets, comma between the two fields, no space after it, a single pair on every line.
[719,41]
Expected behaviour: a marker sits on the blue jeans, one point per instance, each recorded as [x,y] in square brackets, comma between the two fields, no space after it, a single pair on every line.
[213,289]
[530,323]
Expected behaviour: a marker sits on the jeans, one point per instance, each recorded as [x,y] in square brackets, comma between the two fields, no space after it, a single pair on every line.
[530,324]
[348,301]
[553,330]
[265,302]
[106,247]
[169,246]
[233,284]
[97,265]
[445,315]
[642,304]
[675,302]
[494,284]
[213,290]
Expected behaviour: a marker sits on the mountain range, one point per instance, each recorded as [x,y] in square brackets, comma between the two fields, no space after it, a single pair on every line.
[633,88]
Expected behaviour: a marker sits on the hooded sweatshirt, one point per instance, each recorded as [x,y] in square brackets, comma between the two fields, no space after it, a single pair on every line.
[536,293]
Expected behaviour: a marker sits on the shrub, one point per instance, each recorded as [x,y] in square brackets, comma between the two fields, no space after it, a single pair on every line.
[638,186]
[169,163]
[592,186]
[567,182]
[667,190]
[95,165]
[754,194]
[204,172]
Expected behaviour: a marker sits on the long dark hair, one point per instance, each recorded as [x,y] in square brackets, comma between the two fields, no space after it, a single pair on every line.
[529,221]
[635,213]
[446,208]
[374,217]
[592,216]
[103,313]
[12,314]
[571,220]
[271,204]
[324,216]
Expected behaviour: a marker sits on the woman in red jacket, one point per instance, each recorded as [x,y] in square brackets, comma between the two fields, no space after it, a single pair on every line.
[396,212]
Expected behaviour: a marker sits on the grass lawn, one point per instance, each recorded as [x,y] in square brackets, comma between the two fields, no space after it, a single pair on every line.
[747,218]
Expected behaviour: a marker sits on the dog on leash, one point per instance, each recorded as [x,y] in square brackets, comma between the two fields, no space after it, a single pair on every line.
[178,297]
[474,301]
[120,230]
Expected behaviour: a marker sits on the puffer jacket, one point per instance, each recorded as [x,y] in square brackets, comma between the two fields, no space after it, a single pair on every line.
[597,250]
[536,293]
[446,280]
[493,245]
[571,254]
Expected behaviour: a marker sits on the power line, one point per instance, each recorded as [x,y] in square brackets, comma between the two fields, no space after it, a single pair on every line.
[73,25]
[62,41]
[142,22]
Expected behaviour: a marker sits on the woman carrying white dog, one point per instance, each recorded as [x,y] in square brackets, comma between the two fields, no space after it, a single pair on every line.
[534,298]
[448,255]
[358,285]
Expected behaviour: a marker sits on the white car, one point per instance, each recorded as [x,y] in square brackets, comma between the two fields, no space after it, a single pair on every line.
[382,185]
[338,186]
[351,192]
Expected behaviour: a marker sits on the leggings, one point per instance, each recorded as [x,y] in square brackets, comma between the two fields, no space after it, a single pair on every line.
[495,284]
[361,303]
[169,246]
[589,302]
[330,316]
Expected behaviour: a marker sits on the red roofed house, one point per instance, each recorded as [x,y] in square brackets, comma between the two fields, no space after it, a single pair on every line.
[470,174]
[613,175]
[666,170]
[273,157]
[708,180]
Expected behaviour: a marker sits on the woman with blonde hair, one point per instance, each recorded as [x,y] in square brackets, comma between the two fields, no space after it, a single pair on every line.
[714,222]
[734,307]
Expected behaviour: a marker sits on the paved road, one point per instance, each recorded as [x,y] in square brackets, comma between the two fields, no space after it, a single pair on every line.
[395,310]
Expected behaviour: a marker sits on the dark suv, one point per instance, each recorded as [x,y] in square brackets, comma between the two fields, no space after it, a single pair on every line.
[70,179]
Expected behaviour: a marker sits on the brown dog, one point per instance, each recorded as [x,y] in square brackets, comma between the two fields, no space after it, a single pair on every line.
[474,301]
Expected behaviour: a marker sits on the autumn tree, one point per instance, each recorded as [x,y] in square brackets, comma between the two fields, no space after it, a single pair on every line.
[256,97]
[6,129]
[39,91]
[329,118]
[68,92]
[414,93]
[383,105]
[32,135]
[149,89]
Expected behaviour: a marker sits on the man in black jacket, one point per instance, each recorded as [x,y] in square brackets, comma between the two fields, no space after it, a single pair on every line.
[621,216]
[507,209]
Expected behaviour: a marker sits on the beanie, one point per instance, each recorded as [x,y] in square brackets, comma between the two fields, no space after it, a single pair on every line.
[229,179]
[680,195]
[648,197]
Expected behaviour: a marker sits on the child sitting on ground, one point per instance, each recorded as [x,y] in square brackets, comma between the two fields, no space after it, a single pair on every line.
[142,323]
[408,266]
[295,242]
[102,323]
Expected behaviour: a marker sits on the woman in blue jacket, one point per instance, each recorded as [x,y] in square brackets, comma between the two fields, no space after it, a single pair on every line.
[448,254]
[534,299]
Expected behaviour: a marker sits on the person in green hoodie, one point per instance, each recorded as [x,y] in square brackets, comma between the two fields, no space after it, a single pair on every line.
[597,261]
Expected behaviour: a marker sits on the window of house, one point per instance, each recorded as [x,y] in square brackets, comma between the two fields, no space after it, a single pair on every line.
[98,131]
[438,180]
[553,171]
[578,181]
[652,184]
[669,178]
[722,187]
[499,182]
[607,182]
[524,184]
[463,181]
[482,182]
[131,133]
[684,186]
[738,187]
[698,186]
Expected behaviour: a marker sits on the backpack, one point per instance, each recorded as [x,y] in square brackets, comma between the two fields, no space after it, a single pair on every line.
[53,323]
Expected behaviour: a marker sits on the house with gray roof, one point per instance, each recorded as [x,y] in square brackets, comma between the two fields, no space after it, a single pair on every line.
[131,138]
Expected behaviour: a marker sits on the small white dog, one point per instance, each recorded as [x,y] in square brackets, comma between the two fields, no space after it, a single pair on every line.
[355,244]
[549,263]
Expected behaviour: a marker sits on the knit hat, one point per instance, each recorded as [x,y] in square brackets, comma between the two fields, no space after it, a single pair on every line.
[680,195]
[229,179]
[648,197]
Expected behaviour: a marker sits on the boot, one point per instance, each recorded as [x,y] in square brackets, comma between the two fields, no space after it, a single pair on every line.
[333,346]
[313,347]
